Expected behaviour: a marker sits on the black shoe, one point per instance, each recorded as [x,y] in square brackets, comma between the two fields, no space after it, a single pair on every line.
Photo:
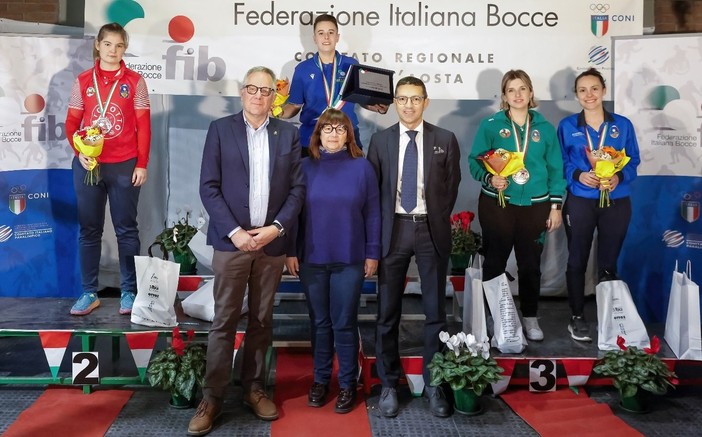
[438,404]
[346,400]
[317,396]
[388,405]
[579,329]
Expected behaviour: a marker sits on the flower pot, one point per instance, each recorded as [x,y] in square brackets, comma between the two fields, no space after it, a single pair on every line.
[460,262]
[635,404]
[187,261]
[181,402]
[467,402]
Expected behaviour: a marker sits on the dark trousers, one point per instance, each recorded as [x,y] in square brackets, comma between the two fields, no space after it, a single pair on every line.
[408,239]
[581,217]
[333,292]
[522,228]
[233,272]
[115,185]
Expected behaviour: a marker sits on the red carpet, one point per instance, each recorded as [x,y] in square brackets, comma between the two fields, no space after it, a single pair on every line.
[293,378]
[69,412]
[564,412]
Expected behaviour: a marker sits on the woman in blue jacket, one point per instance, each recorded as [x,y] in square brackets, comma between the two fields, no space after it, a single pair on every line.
[591,129]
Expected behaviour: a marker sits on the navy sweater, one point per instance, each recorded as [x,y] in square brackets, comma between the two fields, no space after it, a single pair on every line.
[340,220]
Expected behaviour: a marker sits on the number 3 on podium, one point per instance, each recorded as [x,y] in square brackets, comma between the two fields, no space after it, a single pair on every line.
[542,375]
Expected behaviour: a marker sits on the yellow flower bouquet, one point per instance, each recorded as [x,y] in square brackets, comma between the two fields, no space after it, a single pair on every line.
[501,162]
[89,142]
[606,162]
[282,93]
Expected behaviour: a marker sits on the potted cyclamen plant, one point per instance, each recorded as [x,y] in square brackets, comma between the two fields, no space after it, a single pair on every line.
[635,373]
[467,367]
[179,369]
[464,242]
[175,240]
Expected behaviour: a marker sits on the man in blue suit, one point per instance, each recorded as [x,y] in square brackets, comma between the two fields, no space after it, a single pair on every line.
[252,188]
[418,168]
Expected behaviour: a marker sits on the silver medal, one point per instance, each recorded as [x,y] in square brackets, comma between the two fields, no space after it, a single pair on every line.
[104,124]
[521,177]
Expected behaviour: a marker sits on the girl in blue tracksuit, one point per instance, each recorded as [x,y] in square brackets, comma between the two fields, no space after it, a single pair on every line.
[594,128]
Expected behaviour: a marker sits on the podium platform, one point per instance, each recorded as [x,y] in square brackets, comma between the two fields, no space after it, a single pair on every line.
[25,360]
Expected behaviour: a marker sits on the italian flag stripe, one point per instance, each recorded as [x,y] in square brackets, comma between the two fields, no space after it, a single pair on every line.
[142,345]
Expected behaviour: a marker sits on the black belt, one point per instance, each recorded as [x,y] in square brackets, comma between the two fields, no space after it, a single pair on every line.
[417,218]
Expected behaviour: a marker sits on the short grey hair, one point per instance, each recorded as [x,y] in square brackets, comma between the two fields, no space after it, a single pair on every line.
[259,69]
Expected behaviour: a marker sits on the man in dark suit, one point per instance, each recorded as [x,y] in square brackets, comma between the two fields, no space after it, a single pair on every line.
[253,190]
[418,170]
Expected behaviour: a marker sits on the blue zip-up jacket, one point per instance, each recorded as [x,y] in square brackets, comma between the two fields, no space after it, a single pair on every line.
[620,135]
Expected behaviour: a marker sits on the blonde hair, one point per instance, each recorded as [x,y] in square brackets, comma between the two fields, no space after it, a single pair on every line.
[517,74]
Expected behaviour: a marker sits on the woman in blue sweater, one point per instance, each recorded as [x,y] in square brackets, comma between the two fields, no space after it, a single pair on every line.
[337,245]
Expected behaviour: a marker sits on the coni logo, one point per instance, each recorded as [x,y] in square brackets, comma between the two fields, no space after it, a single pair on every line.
[187,63]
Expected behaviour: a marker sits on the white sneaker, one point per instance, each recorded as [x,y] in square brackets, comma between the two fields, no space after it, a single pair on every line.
[531,329]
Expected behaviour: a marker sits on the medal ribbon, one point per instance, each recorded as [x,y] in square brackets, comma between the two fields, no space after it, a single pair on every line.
[103,108]
[517,141]
[603,136]
[330,89]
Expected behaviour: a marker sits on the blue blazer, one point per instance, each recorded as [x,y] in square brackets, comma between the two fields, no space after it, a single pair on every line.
[442,175]
[224,180]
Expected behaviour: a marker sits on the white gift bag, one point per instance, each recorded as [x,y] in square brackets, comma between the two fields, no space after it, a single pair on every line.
[203,252]
[200,303]
[157,286]
[508,336]
[474,320]
[682,325]
[617,315]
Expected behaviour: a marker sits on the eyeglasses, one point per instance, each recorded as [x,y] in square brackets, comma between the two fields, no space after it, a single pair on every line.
[253,89]
[416,100]
[339,128]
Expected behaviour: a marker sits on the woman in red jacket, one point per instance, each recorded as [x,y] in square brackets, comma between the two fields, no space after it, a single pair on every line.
[115,99]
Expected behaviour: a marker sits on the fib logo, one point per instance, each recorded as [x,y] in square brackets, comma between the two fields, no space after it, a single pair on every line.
[38,126]
[195,64]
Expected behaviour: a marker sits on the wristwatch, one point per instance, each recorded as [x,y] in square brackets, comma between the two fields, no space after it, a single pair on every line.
[556,206]
[281,230]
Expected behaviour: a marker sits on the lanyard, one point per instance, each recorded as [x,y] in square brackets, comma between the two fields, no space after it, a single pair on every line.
[333,101]
[603,136]
[103,107]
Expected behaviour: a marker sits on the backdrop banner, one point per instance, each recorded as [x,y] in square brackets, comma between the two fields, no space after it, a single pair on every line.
[39,224]
[657,86]
[186,47]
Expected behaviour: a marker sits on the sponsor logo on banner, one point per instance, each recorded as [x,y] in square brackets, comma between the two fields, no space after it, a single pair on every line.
[689,208]
[673,238]
[694,241]
[183,61]
[18,200]
[39,126]
[5,233]
[599,24]
[598,55]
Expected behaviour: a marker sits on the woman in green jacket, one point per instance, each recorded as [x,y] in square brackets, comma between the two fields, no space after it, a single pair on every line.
[533,196]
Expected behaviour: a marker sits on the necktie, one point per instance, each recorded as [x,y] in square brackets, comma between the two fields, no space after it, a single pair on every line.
[408,190]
